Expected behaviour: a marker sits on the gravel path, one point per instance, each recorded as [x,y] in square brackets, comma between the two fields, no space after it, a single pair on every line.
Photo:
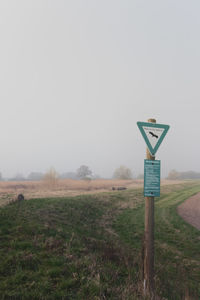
[190,210]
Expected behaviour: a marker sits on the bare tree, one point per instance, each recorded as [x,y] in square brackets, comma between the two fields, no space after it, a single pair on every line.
[84,172]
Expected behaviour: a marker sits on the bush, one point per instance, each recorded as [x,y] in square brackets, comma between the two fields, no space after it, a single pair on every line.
[122,173]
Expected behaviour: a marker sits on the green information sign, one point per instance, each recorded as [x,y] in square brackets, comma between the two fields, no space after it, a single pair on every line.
[151,178]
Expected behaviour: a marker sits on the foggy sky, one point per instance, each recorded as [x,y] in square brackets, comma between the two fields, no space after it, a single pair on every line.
[77,75]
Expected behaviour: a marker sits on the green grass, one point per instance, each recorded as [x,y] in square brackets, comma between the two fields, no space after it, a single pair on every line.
[177,244]
[90,247]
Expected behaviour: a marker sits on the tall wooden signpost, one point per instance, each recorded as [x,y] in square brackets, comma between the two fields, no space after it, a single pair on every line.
[153,135]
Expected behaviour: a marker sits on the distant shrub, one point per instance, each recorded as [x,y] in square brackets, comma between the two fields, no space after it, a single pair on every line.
[122,173]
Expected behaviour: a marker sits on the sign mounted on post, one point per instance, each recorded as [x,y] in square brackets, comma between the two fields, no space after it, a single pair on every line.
[151,178]
[153,134]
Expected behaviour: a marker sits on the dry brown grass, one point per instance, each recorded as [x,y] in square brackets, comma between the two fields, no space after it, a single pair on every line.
[65,187]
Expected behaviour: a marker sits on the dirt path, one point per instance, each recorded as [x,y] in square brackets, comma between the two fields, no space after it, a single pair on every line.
[190,210]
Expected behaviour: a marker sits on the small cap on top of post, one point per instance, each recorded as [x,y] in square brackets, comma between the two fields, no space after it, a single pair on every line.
[152,120]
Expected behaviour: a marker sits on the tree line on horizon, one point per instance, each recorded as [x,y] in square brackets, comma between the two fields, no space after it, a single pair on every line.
[85,173]
[82,173]
[175,175]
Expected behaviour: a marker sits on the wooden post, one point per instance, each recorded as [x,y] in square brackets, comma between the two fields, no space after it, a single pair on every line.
[149,285]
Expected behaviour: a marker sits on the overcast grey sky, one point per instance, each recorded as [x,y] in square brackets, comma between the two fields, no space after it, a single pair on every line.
[76,76]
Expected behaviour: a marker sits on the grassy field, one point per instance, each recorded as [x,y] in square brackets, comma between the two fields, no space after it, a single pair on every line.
[64,187]
[59,188]
[90,247]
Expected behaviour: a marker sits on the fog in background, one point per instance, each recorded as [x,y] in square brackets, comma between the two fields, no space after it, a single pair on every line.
[76,76]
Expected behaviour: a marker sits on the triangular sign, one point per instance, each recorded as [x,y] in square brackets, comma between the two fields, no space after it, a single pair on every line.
[153,134]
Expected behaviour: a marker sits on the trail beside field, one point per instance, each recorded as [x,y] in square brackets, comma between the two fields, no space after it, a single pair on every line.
[190,210]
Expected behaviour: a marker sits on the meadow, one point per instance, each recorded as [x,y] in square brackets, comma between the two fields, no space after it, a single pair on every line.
[64,187]
[90,246]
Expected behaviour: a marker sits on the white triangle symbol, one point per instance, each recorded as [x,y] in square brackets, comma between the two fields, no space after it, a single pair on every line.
[153,134]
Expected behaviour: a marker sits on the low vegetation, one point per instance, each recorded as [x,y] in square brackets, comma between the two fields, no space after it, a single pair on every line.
[59,187]
[90,247]
[175,175]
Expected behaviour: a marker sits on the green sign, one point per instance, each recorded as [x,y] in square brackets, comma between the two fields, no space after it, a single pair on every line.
[151,178]
[153,134]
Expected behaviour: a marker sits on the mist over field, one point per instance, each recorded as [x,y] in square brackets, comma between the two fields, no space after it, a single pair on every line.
[76,76]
